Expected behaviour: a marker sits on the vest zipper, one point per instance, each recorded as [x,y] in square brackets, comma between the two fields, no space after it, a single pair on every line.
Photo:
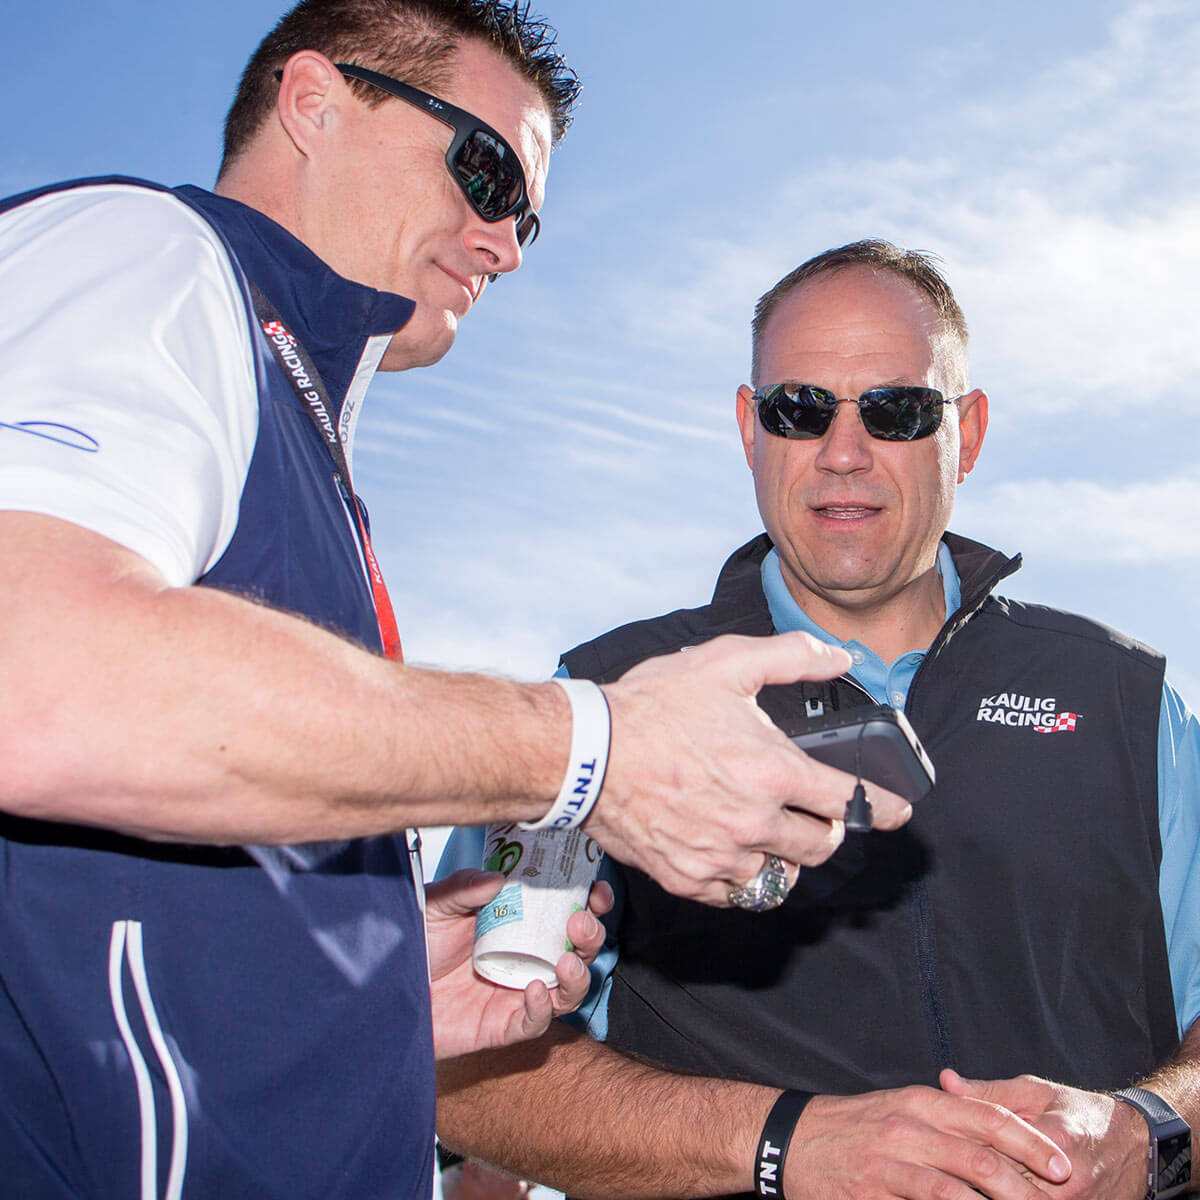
[924,932]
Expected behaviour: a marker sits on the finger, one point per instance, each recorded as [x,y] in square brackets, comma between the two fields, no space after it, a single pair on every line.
[824,791]
[806,840]
[792,870]
[586,935]
[601,898]
[924,1182]
[991,1124]
[957,1085]
[1025,1094]
[463,892]
[573,983]
[538,1010]
[751,663]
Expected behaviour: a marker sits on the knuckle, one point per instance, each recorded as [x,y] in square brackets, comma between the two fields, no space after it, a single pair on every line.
[992,1116]
[982,1163]
[945,1188]
[749,830]
[823,844]
[895,1126]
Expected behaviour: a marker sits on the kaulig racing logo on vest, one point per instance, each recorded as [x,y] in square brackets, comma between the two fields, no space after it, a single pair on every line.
[1039,713]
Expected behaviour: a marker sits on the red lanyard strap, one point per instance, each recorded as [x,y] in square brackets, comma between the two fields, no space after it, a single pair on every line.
[310,390]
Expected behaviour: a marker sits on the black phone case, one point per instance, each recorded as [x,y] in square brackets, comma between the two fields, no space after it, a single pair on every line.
[876,742]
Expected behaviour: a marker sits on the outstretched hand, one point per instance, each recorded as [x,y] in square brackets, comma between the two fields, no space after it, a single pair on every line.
[470,1013]
[701,786]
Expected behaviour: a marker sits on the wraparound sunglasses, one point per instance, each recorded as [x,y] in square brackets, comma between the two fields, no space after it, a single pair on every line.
[480,161]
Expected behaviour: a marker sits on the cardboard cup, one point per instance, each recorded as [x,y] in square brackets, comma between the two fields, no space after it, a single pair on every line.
[522,933]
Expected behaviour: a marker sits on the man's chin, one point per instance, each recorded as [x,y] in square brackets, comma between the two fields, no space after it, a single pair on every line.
[411,347]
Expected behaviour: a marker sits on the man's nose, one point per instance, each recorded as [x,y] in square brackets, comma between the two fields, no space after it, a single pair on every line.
[496,242]
[846,446]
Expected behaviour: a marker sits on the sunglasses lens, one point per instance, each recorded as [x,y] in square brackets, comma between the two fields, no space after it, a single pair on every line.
[901,414]
[528,227]
[489,175]
[804,413]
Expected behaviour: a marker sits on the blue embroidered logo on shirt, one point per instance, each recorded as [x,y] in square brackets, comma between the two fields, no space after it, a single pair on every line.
[76,439]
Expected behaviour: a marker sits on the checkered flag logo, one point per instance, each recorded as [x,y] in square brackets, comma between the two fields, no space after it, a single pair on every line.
[1064,724]
[276,329]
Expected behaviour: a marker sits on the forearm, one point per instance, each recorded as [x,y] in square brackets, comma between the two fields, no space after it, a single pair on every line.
[1178,1080]
[571,1113]
[193,715]
[190,714]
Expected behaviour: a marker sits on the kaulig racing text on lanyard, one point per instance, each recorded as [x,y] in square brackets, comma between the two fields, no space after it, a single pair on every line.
[310,390]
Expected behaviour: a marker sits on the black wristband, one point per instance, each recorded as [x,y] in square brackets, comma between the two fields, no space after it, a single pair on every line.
[773,1145]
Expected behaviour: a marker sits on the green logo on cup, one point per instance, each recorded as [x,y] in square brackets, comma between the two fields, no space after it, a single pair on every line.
[504,858]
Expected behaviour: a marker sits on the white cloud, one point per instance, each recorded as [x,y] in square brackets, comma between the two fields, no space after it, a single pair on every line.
[1081,522]
[1059,204]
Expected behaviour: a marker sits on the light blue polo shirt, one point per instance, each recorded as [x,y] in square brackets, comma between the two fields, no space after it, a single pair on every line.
[888,683]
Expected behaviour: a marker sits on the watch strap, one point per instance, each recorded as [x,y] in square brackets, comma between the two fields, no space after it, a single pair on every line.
[1153,1107]
[1164,1122]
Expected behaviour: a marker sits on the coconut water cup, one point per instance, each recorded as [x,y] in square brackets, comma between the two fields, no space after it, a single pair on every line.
[522,933]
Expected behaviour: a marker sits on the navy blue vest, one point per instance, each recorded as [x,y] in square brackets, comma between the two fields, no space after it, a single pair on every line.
[297,995]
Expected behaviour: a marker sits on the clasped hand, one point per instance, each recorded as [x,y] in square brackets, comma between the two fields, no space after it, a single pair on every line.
[469,1013]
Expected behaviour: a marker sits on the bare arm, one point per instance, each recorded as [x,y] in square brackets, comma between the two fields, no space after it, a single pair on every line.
[189,714]
[194,715]
[622,1128]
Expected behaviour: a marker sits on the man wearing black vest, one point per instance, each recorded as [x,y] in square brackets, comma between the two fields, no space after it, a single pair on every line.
[1038,914]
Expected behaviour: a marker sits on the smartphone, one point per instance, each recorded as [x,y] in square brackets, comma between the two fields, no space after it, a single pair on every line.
[876,743]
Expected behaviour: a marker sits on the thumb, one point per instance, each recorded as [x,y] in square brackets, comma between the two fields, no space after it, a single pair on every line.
[954,1083]
[1025,1095]
[781,658]
[462,893]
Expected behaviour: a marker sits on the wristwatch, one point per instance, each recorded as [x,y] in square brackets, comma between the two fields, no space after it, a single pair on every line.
[1170,1163]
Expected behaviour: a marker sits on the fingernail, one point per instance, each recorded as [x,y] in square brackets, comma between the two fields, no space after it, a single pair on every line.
[1059,1167]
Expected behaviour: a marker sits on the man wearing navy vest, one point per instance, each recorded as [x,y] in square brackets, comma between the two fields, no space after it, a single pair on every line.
[213,969]
[876,1035]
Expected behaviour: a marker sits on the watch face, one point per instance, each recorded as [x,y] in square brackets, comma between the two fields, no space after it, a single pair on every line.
[1174,1160]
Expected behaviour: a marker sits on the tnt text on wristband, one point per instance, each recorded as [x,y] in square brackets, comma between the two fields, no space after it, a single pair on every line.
[774,1142]
[591,733]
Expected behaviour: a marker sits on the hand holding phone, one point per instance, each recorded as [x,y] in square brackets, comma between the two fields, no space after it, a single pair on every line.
[874,743]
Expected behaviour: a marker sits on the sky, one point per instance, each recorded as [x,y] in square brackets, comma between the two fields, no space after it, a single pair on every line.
[574,462]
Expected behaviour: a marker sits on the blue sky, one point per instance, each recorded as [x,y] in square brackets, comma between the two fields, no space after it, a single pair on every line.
[574,462]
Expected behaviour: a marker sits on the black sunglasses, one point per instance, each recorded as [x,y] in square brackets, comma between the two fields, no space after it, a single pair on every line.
[894,414]
[481,162]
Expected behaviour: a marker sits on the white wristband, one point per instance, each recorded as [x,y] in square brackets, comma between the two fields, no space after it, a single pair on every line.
[591,731]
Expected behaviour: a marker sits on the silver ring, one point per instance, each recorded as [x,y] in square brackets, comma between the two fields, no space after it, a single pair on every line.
[767,890]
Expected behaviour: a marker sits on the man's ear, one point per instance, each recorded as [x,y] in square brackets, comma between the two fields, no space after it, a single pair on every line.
[747,417]
[309,91]
[972,425]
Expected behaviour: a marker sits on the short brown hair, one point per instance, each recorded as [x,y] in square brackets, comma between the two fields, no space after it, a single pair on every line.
[915,267]
[412,40]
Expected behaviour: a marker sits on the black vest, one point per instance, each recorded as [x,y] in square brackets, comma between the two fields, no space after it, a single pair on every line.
[1013,925]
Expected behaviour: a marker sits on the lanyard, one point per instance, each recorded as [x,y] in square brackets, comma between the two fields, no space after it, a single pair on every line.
[310,390]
